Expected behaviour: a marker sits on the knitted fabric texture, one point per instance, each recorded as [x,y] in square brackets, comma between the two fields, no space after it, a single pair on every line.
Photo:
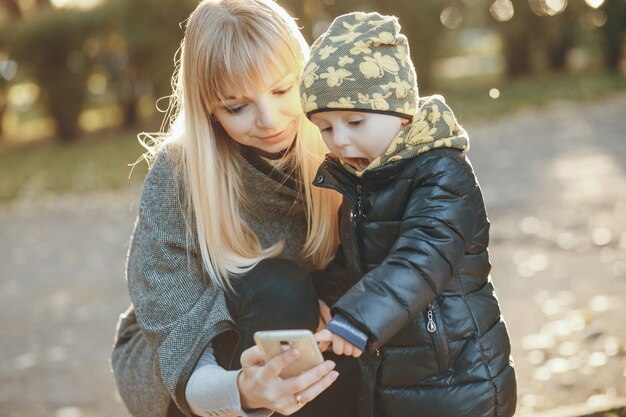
[178,312]
[361,63]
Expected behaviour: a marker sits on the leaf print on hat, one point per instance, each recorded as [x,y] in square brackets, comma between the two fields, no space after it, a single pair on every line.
[377,101]
[401,87]
[405,109]
[360,47]
[384,38]
[308,102]
[325,52]
[349,36]
[335,78]
[343,103]
[358,16]
[402,55]
[345,60]
[309,74]
[377,23]
[375,66]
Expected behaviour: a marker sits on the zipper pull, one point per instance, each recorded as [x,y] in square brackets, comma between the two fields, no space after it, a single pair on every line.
[356,212]
[431,326]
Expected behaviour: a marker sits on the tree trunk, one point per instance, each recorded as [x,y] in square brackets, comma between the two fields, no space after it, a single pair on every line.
[613,29]
[12,7]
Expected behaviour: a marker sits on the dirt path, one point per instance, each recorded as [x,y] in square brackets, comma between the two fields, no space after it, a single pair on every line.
[555,185]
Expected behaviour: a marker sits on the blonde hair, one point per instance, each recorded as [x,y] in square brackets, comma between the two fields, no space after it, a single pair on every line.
[239,40]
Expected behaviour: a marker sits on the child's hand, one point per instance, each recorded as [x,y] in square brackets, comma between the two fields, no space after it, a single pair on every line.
[325,316]
[325,338]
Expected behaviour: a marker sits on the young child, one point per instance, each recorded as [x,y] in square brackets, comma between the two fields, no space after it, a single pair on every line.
[414,233]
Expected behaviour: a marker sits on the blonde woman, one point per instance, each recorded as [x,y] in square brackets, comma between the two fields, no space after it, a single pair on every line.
[229,228]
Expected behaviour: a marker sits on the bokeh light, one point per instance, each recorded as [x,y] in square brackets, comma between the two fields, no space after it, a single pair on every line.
[451,17]
[594,3]
[502,10]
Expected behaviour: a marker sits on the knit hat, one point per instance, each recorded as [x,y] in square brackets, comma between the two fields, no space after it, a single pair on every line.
[361,63]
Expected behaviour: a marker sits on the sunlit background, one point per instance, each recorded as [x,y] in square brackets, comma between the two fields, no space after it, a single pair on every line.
[539,84]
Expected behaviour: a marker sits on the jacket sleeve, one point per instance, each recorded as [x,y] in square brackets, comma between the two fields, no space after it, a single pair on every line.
[176,310]
[439,218]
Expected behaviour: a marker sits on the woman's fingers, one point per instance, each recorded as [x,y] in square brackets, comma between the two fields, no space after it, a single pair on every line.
[275,366]
[252,356]
[308,394]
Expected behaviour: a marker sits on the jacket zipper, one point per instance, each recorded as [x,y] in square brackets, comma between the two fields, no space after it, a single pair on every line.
[438,338]
[356,212]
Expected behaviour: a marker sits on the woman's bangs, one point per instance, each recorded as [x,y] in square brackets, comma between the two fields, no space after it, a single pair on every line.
[251,66]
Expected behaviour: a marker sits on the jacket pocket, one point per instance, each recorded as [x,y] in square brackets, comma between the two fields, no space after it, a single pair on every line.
[436,331]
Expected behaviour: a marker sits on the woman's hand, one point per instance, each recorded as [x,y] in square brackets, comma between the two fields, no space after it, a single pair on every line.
[260,385]
[325,338]
[325,316]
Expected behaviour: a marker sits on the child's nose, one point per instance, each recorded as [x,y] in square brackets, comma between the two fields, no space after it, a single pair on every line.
[341,139]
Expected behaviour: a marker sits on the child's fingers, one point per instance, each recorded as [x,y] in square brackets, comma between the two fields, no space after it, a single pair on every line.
[347,349]
[356,352]
[323,336]
[324,346]
[338,345]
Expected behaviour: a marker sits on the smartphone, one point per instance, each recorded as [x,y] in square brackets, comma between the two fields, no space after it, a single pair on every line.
[275,342]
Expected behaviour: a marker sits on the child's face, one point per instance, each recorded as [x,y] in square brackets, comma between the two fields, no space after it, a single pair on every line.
[355,137]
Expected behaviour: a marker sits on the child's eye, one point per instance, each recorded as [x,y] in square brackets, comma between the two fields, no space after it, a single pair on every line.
[283,91]
[236,109]
[355,122]
[326,129]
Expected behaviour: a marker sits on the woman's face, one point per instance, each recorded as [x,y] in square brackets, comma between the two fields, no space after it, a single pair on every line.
[266,117]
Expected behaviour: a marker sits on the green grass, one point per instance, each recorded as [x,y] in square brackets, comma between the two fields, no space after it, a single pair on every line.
[94,163]
[100,162]
[470,99]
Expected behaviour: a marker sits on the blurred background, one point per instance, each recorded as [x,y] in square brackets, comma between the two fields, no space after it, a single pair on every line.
[540,85]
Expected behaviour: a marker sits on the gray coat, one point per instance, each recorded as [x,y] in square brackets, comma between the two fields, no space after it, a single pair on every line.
[175,313]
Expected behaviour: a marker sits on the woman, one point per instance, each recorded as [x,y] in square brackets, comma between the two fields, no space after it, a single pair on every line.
[228,228]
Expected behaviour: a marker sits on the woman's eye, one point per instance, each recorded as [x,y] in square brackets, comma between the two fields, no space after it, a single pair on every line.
[325,129]
[235,110]
[283,91]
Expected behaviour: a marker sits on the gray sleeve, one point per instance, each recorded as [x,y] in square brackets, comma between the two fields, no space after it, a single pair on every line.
[213,391]
[177,311]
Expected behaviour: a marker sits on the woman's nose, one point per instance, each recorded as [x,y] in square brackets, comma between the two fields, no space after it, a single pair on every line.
[266,118]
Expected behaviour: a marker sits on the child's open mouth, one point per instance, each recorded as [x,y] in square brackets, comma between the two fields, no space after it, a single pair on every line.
[358,163]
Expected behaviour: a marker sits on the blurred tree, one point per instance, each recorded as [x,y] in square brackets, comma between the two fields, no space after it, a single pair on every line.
[557,34]
[48,47]
[513,26]
[11,7]
[613,31]
[138,52]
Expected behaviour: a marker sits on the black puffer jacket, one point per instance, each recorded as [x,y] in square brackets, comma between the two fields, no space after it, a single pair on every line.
[414,234]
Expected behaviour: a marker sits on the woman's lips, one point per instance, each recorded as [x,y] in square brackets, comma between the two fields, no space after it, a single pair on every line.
[277,137]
